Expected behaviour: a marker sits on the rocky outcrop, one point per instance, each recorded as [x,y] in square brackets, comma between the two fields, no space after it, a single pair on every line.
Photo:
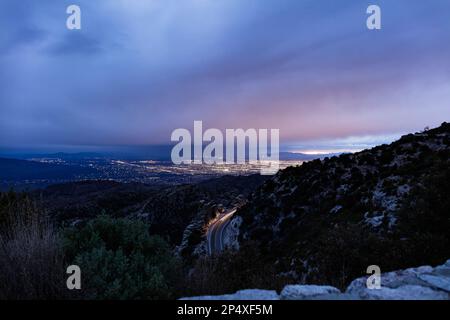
[308,292]
[193,243]
[423,283]
[231,233]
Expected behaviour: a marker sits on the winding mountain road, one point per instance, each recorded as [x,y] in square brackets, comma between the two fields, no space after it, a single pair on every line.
[216,232]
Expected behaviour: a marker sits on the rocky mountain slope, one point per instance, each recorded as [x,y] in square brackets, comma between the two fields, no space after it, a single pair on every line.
[182,213]
[327,220]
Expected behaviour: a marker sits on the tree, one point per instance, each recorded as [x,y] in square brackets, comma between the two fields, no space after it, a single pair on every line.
[120,260]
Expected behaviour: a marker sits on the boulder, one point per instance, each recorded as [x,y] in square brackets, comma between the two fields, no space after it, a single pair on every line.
[249,294]
[307,292]
[407,292]
[422,283]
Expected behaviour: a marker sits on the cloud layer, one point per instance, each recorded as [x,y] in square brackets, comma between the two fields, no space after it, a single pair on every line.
[139,69]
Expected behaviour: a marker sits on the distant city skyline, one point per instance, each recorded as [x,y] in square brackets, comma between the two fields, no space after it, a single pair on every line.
[137,70]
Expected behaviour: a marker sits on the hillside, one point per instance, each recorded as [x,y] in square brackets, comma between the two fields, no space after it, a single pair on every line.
[169,211]
[15,170]
[327,220]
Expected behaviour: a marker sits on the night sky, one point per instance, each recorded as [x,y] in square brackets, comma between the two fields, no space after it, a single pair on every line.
[139,69]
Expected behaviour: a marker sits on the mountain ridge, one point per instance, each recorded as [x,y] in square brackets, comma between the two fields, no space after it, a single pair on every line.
[327,220]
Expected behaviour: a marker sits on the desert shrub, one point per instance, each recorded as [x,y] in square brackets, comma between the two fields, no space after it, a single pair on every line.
[14,205]
[446,140]
[424,219]
[120,260]
[367,158]
[31,257]
[386,157]
[343,253]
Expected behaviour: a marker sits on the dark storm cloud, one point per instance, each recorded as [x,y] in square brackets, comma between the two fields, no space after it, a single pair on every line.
[139,69]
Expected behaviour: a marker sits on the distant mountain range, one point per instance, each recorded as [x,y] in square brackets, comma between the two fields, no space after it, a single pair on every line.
[14,169]
[157,153]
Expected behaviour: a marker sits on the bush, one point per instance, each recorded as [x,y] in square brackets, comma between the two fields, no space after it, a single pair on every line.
[120,260]
[31,258]
[424,219]
[343,253]
[13,205]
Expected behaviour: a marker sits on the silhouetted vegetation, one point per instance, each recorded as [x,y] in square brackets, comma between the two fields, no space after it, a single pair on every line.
[118,257]
[30,253]
[233,270]
[120,260]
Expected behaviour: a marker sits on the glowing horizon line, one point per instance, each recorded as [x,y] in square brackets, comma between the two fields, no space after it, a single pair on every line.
[327,151]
